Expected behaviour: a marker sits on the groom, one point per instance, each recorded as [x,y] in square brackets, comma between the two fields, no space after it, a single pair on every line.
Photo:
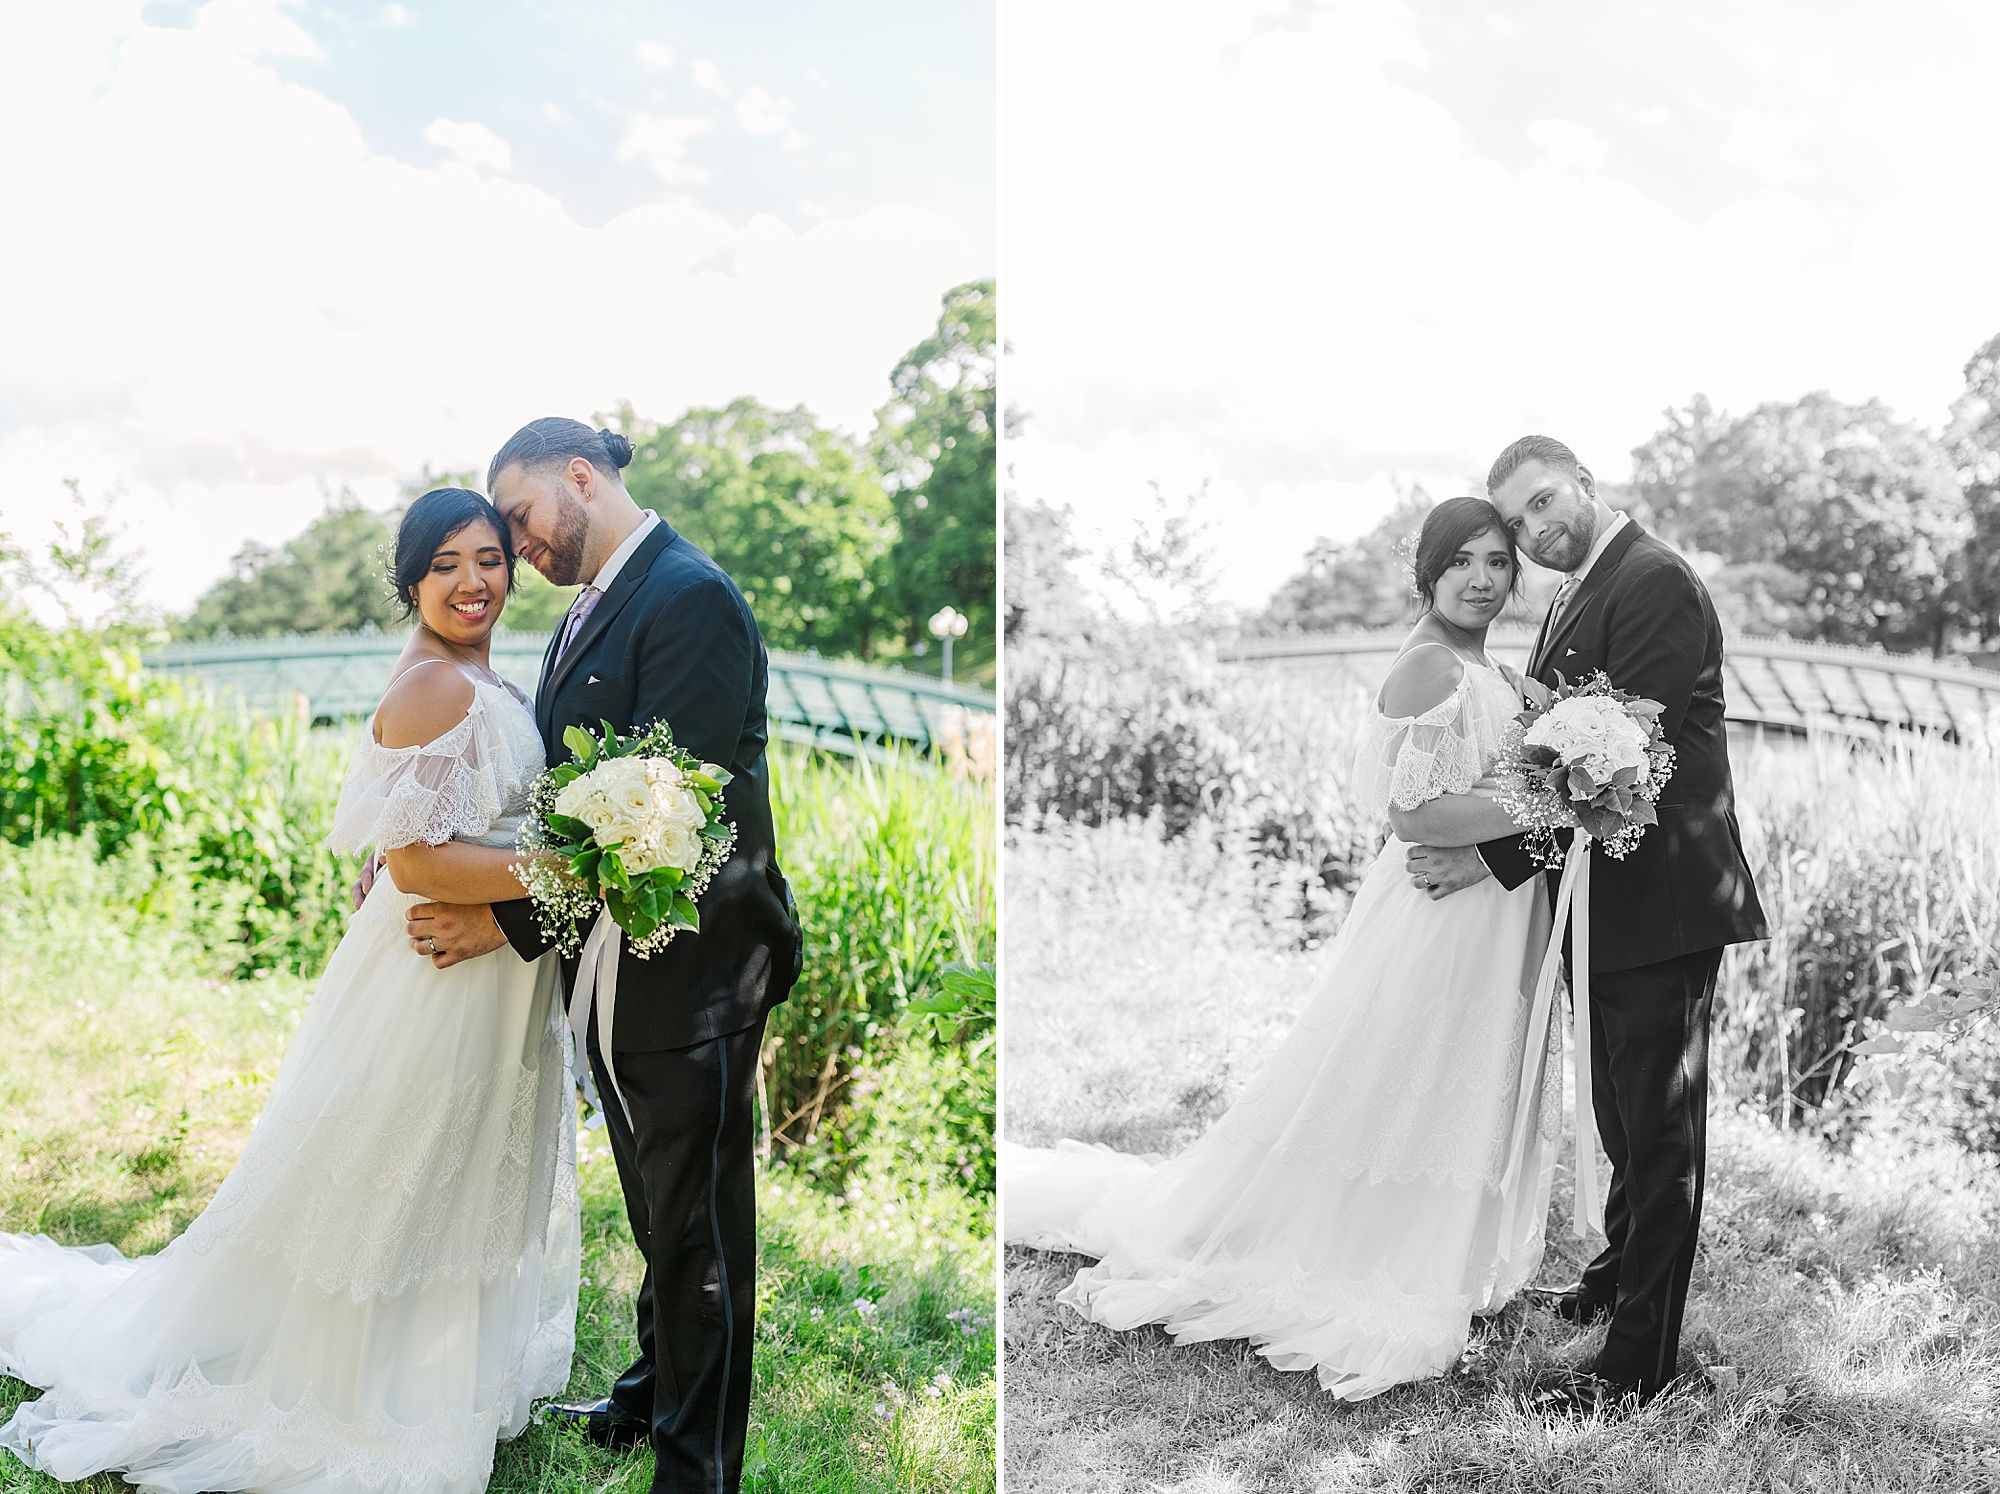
[1632,607]
[659,632]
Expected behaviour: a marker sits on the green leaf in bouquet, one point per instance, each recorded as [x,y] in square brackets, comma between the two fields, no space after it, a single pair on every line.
[666,878]
[707,804]
[683,914]
[708,777]
[715,830]
[612,746]
[569,827]
[1625,777]
[584,864]
[612,870]
[579,742]
[567,774]
[1643,813]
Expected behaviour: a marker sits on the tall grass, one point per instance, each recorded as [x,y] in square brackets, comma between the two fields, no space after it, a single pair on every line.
[893,866]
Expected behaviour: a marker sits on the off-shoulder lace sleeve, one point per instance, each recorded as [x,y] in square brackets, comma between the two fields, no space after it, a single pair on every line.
[1409,760]
[397,796]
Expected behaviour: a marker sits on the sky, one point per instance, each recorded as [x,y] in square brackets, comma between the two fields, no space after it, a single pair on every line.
[1290,255]
[261,251]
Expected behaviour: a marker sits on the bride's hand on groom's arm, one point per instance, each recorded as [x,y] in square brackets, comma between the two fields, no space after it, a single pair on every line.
[455,931]
[1439,871]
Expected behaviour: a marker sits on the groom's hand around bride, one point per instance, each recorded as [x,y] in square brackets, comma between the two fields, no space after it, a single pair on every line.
[455,931]
[1439,871]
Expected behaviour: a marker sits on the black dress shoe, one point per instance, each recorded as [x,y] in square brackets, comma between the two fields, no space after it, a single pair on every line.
[1570,1304]
[603,1423]
[1581,1393]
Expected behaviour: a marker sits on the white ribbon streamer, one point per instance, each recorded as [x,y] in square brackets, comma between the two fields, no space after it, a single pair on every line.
[597,975]
[1572,906]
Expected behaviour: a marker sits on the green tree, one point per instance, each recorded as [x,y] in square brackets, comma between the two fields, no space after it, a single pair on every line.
[1852,520]
[1973,439]
[1362,583]
[795,513]
[329,579]
[934,442]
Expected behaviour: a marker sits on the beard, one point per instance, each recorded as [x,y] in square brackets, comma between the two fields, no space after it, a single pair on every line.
[1567,551]
[562,551]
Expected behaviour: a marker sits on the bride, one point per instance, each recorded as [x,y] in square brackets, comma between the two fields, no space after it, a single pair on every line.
[389,1275]
[1347,1214]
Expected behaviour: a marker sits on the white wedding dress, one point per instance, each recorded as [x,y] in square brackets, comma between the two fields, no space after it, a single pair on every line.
[1347,1214]
[389,1275]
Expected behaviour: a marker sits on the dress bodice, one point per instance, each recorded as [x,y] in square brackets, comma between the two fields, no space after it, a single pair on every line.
[1407,760]
[469,784]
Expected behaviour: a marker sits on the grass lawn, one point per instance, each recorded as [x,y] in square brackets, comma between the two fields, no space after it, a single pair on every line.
[127,1089]
[1856,1297]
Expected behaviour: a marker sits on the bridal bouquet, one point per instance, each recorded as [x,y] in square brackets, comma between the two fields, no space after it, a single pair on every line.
[636,823]
[1584,757]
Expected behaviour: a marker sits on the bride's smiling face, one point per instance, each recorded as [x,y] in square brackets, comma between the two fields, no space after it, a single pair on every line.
[1475,582]
[464,592]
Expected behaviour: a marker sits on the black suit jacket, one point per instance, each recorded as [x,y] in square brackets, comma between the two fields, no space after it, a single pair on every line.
[1644,618]
[673,639]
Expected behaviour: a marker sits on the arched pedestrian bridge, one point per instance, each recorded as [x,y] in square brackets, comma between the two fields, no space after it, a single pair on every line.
[1769,684]
[329,677]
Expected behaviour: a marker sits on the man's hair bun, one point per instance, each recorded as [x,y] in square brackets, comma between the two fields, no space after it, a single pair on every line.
[617,447]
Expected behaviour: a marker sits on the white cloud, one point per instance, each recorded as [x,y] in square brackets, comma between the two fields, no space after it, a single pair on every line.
[1573,145]
[396,17]
[255,28]
[655,57]
[762,113]
[1763,144]
[346,317]
[1331,270]
[555,114]
[660,142]
[471,143]
[707,79]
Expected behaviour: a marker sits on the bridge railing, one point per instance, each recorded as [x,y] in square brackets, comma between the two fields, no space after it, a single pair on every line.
[1771,683]
[335,676]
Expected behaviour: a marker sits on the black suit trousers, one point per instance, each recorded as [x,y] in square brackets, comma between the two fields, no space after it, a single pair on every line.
[687,1165]
[1649,1077]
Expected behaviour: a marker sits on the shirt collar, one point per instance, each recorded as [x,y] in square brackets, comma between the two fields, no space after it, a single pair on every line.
[608,572]
[1598,545]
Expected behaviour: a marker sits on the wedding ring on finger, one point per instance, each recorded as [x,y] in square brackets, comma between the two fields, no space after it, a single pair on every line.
[431,940]
[1424,880]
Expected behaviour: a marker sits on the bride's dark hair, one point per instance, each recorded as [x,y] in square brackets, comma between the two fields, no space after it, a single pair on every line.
[555,439]
[1446,528]
[430,521]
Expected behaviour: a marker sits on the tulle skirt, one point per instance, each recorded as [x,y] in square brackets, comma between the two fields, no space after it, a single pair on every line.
[1348,1213]
[380,1287]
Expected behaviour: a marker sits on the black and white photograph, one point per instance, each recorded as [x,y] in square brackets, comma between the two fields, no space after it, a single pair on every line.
[1501,654]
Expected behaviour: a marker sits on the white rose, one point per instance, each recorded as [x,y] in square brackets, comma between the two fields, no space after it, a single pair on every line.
[663,772]
[620,826]
[644,857]
[623,782]
[680,847]
[574,795]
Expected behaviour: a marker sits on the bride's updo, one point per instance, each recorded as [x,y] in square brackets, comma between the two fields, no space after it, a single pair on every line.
[1446,528]
[554,440]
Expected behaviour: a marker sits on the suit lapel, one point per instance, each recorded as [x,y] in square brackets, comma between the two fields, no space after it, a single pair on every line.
[610,604]
[544,710]
[1592,587]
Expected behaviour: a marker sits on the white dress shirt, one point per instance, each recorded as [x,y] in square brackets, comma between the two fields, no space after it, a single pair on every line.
[615,562]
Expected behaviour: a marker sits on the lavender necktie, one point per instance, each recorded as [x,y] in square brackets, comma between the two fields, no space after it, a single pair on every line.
[579,610]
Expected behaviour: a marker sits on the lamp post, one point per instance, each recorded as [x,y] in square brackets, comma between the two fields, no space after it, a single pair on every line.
[946,624]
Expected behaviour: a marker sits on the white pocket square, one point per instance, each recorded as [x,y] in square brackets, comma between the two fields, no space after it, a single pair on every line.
[593,679]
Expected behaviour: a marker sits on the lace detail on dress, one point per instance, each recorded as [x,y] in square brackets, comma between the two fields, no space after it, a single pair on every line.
[1408,760]
[452,788]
